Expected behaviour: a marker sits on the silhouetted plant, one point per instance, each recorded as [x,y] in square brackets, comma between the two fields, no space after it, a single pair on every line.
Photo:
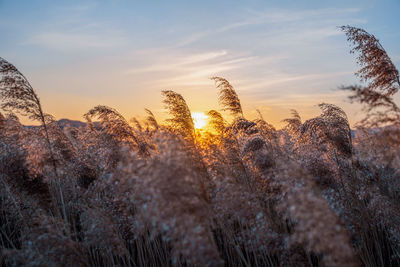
[294,123]
[330,127]
[138,125]
[266,130]
[228,96]
[18,95]
[376,67]
[116,126]
[381,78]
[181,119]
[216,121]
[151,119]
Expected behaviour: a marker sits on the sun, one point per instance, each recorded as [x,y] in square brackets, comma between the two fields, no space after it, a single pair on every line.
[199,120]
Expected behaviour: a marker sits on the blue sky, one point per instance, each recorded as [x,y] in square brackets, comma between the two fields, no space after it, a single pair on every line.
[278,55]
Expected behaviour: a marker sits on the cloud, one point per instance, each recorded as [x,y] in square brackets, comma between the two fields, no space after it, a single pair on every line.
[285,79]
[169,67]
[282,18]
[72,27]
[175,62]
[72,41]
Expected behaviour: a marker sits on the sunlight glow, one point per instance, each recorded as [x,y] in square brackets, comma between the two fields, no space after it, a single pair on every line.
[199,120]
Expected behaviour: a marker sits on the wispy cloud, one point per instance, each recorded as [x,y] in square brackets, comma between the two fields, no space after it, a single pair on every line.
[318,17]
[288,79]
[72,28]
[72,41]
[176,61]
[173,68]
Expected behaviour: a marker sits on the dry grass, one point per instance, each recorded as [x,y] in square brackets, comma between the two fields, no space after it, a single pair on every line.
[243,194]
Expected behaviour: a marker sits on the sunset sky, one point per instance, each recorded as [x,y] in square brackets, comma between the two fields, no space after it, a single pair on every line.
[278,55]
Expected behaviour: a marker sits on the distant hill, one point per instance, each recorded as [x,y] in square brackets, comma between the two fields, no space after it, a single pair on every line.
[64,122]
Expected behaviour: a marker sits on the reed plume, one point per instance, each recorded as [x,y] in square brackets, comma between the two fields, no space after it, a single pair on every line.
[116,126]
[181,119]
[294,123]
[18,95]
[228,96]
[267,130]
[151,119]
[381,78]
[216,121]
[331,127]
[376,66]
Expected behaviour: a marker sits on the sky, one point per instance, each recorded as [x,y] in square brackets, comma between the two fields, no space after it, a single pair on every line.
[278,55]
